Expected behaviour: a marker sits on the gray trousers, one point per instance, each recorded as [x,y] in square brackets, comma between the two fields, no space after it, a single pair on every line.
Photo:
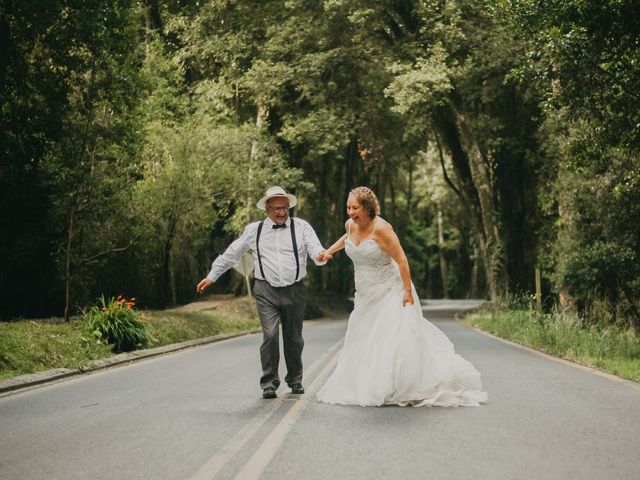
[280,305]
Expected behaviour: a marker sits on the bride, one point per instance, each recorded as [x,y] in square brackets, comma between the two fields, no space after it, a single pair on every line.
[392,355]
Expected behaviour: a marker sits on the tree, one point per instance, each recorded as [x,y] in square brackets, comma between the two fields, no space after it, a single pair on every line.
[584,61]
[199,167]
[455,83]
[73,64]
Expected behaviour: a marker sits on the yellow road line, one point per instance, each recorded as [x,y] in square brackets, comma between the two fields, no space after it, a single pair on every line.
[216,463]
[256,465]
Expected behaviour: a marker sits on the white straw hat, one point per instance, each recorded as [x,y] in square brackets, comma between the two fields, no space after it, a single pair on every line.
[276,192]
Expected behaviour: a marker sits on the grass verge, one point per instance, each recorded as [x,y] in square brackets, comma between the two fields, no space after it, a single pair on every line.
[610,349]
[31,346]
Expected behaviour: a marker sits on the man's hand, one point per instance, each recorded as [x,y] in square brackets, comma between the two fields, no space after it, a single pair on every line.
[203,285]
[324,257]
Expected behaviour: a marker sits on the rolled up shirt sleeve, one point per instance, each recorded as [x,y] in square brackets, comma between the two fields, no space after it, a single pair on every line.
[312,243]
[232,254]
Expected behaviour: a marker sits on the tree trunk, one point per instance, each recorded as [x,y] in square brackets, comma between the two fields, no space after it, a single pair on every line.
[350,169]
[172,283]
[67,276]
[483,181]
[262,115]
[152,19]
[393,201]
[443,261]
[344,279]
[165,276]
[449,134]
[565,234]
[476,191]
[474,273]
[430,281]
[261,120]
[410,190]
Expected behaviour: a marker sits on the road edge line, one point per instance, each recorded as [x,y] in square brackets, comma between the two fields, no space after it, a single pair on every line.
[21,383]
[544,354]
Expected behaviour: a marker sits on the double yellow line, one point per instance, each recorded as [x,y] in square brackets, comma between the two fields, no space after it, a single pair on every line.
[259,461]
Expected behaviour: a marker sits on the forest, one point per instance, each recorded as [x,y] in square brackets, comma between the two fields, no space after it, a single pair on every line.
[502,138]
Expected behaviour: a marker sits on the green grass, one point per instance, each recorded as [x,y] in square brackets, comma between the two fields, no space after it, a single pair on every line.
[610,349]
[29,346]
[32,346]
[173,327]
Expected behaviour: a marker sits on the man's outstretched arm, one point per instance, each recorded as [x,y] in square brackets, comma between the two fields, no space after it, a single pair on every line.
[227,260]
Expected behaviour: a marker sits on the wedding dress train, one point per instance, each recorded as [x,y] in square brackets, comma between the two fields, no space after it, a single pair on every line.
[392,355]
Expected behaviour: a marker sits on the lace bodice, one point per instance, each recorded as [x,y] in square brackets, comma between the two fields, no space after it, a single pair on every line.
[366,254]
[372,266]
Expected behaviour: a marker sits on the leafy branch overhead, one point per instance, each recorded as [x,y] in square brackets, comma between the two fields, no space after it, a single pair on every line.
[500,136]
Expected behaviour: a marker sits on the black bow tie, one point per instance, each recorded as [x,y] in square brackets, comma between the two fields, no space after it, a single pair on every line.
[275,225]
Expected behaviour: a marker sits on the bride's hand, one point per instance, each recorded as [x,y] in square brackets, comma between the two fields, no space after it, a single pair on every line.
[324,257]
[408,298]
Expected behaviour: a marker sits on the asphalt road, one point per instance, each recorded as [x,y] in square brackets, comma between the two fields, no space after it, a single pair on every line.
[198,414]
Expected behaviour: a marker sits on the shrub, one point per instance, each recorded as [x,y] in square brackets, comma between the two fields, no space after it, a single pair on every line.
[117,323]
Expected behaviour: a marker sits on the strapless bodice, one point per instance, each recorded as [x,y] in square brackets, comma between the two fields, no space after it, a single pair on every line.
[372,266]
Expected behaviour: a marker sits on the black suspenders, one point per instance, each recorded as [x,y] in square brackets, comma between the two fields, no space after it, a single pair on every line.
[258,247]
[293,242]
[295,249]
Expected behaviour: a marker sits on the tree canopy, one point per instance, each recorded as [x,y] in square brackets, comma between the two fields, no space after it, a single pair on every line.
[501,136]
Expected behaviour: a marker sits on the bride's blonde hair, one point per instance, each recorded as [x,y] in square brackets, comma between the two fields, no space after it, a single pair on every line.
[367,199]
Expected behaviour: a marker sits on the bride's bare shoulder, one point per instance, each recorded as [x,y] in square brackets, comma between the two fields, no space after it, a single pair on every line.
[383,231]
[382,224]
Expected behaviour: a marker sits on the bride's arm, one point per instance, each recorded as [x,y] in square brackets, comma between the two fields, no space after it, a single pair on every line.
[336,247]
[390,244]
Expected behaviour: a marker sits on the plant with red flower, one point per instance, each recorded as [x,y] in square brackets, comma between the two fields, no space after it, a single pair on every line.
[117,323]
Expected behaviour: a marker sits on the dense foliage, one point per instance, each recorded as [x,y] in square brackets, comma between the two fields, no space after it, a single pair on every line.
[500,135]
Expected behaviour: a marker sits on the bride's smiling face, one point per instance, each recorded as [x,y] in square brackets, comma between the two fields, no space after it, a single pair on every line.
[356,211]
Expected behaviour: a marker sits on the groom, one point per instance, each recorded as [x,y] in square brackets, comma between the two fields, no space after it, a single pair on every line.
[280,245]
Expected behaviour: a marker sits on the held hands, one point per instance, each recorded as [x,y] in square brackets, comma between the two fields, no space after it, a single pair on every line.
[324,257]
[203,285]
[408,298]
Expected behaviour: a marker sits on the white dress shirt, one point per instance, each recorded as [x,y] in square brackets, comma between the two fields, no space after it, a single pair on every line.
[276,252]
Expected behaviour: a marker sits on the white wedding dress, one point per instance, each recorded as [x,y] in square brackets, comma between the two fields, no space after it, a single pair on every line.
[392,355]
